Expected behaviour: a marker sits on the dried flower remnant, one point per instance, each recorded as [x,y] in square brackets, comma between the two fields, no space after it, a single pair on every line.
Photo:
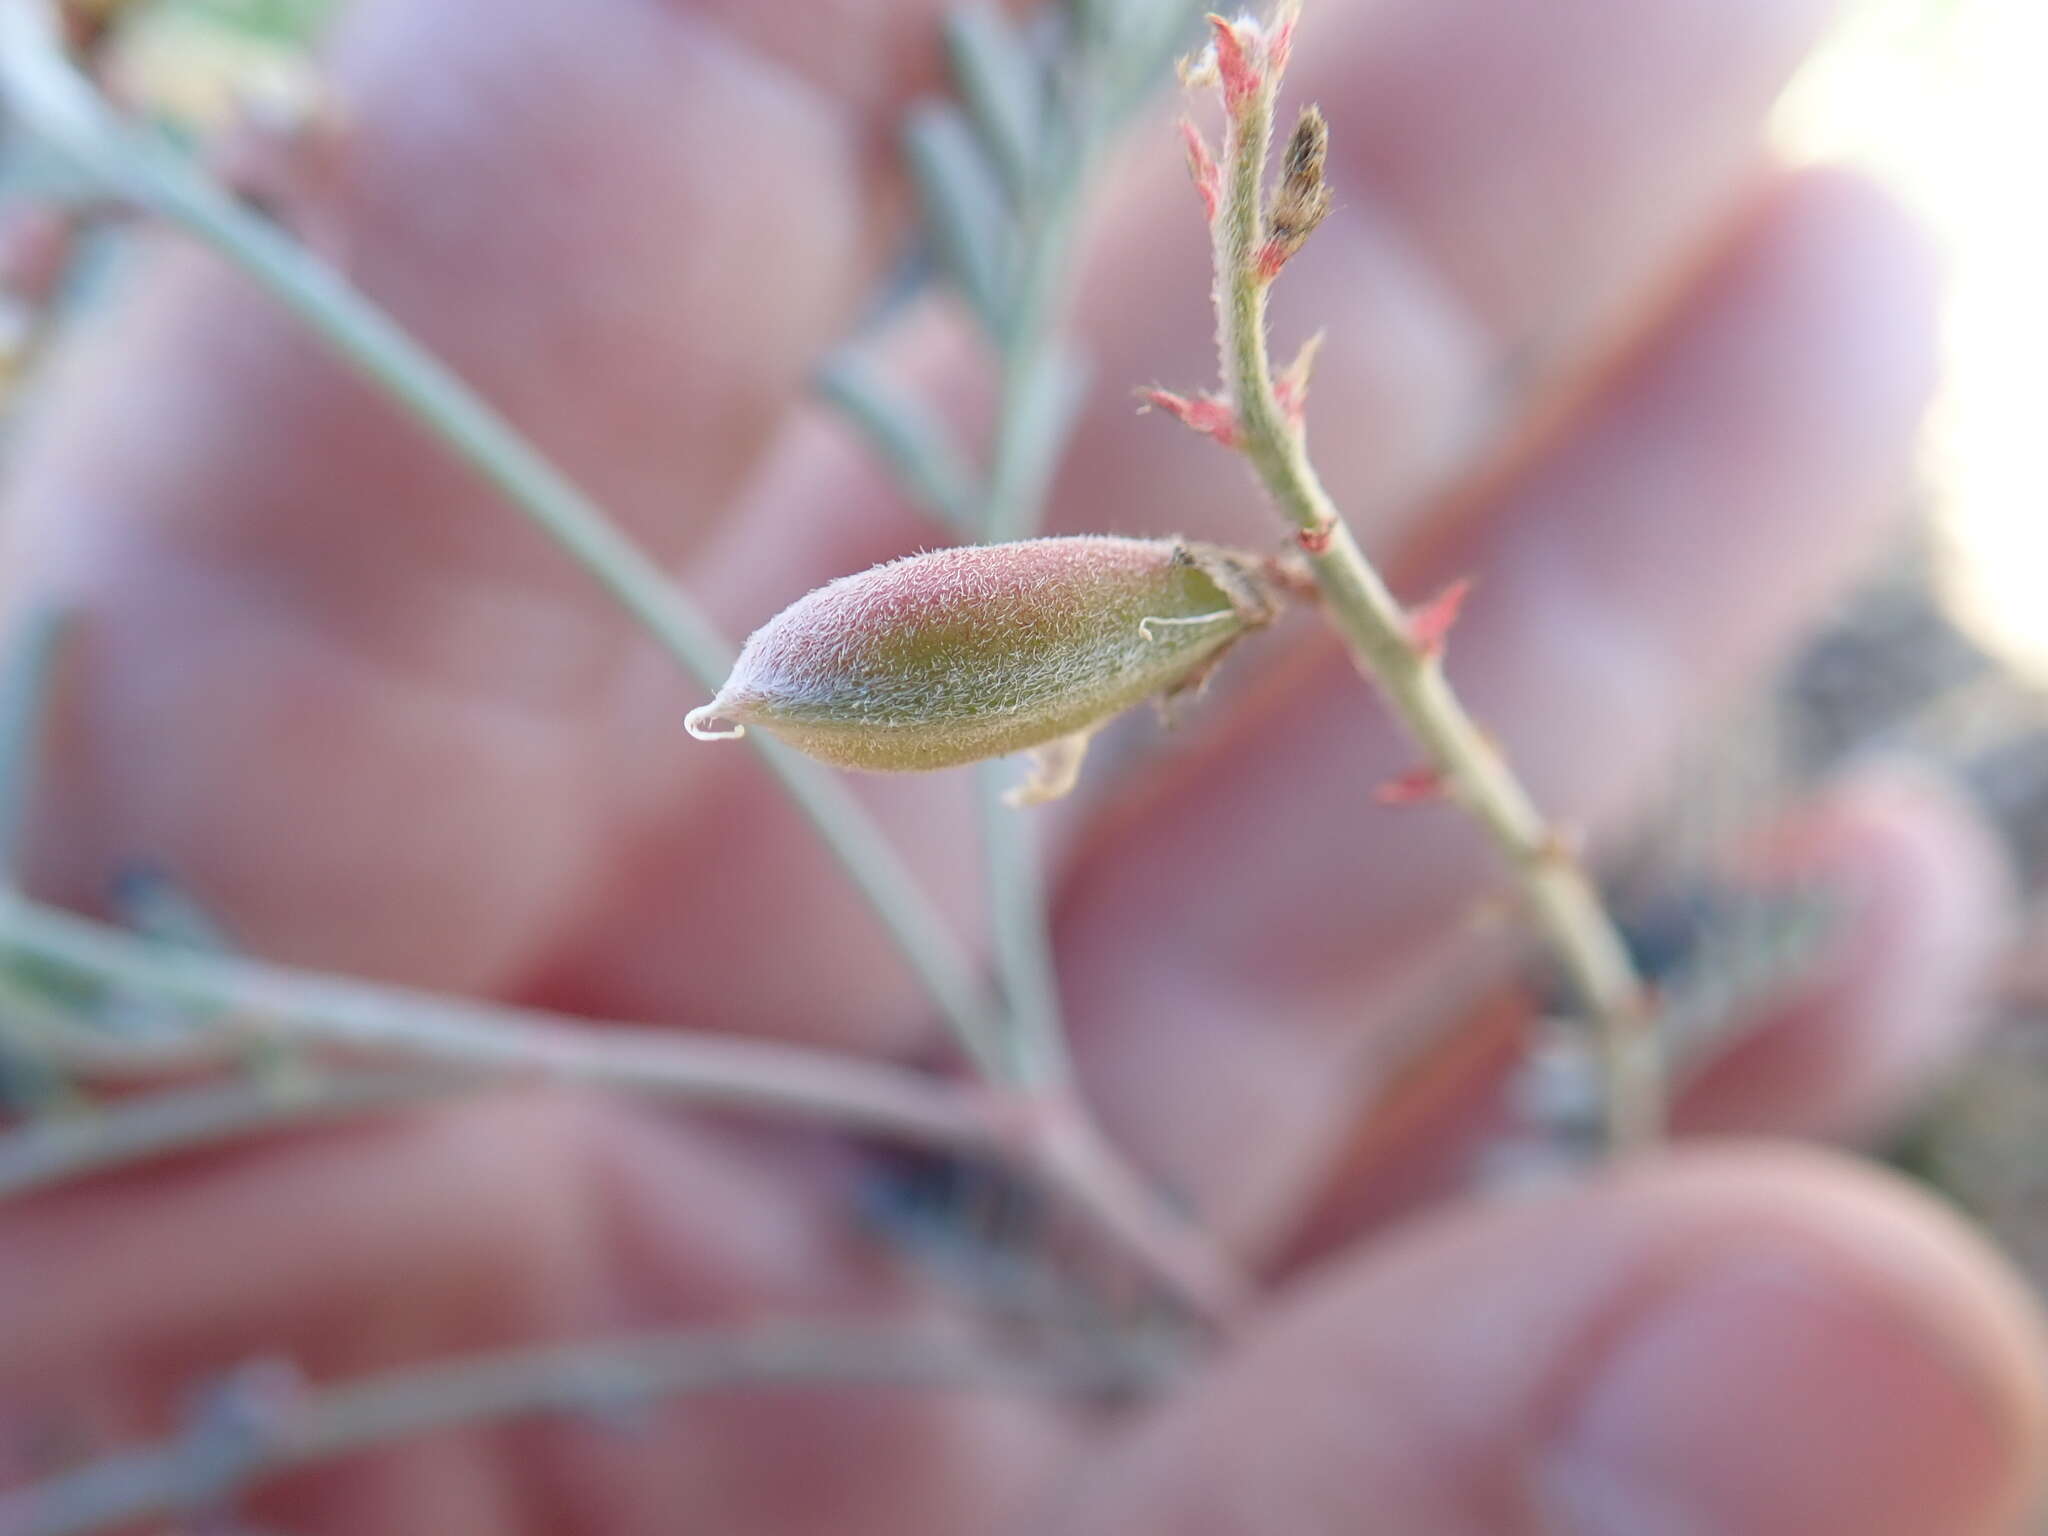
[1303,198]
[962,654]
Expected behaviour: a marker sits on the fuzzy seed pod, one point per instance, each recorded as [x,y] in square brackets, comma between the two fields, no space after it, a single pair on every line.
[968,653]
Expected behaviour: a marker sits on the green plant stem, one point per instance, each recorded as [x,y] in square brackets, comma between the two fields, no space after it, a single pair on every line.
[24,687]
[1018,913]
[203,1470]
[1375,627]
[909,439]
[50,99]
[1036,1052]
[840,1090]
[73,1143]
[1039,388]
[494,1044]
[49,1030]
[1115,56]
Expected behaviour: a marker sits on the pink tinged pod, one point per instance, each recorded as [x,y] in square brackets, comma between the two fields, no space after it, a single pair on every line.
[969,653]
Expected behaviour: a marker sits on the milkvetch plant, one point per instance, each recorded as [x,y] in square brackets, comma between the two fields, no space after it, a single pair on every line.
[1004,644]
[936,662]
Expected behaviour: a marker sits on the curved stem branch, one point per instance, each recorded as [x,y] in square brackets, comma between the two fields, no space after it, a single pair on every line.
[484,1043]
[840,1090]
[279,1426]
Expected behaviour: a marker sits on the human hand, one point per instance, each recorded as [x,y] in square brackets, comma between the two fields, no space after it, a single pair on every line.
[380,727]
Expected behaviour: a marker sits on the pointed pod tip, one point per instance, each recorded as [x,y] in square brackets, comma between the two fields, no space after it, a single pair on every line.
[703,723]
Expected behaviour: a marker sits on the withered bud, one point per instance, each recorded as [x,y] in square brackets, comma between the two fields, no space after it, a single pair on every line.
[961,654]
[1304,195]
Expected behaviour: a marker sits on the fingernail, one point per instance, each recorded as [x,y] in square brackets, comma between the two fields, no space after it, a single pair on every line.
[1777,1395]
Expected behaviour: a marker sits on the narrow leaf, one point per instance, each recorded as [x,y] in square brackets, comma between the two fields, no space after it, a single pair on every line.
[962,202]
[1003,87]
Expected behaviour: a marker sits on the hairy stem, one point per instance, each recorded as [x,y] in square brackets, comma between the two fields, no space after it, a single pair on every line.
[280,1426]
[48,98]
[1376,628]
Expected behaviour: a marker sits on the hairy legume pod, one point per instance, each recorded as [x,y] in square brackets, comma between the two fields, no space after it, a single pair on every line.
[968,653]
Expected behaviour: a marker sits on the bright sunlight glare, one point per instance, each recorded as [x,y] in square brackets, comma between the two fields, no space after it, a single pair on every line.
[1942,98]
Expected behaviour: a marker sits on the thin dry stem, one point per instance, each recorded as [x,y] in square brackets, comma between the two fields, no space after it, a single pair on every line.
[821,1085]
[280,1425]
[54,1148]
[1560,895]
[487,1043]
[1077,1158]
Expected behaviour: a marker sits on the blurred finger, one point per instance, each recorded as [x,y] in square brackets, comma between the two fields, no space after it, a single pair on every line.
[511,1223]
[1747,1343]
[1896,997]
[1915,896]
